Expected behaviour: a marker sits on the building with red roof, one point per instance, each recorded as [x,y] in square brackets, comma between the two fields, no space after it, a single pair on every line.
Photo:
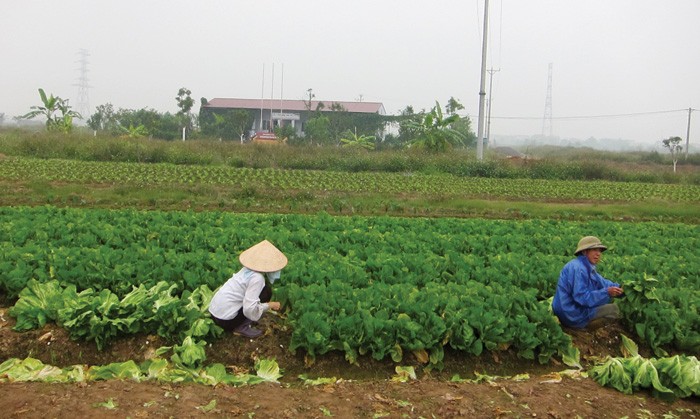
[278,112]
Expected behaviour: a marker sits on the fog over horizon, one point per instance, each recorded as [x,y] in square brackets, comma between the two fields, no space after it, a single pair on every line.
[623,72]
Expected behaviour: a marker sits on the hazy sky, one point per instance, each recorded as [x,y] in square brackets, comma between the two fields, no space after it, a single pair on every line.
[609,57]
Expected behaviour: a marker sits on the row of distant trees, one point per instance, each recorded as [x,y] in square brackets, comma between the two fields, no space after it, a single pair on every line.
[437,129]
[147,122]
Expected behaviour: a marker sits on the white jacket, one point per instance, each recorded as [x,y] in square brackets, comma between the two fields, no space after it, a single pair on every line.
[242,290]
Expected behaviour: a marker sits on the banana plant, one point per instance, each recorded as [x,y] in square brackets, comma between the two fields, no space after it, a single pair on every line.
[139,131]
[51,106]
[434,132]
[351,139]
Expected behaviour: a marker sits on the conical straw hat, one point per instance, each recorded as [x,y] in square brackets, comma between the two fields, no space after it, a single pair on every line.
[263,257]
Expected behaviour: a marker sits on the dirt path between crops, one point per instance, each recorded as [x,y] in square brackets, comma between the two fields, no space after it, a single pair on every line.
[365,390]
[424,398]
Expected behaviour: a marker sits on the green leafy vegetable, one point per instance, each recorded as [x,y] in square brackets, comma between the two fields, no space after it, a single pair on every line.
[268,370]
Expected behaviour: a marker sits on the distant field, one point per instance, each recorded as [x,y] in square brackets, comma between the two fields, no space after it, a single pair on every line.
[553,163]
[28,181]
[139,174]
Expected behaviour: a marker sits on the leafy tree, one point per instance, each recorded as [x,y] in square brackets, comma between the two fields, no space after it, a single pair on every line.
[463,125]
[185,103]
[167,126]
[104,119]
[408,111]
[206,116]
[51,106]
[307,103]
[338,122]
[407,119]
[363,124]
[453,106]
[228,124]
[240,122]
[286,133]
[673,144]
[317,130]
[225,124]
[164,126]
[389,142]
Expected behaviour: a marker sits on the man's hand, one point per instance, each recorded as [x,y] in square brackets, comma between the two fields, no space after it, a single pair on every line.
[615,291]
[274,305]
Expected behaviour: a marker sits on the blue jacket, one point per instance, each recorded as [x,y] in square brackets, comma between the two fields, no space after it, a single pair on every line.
[580,291]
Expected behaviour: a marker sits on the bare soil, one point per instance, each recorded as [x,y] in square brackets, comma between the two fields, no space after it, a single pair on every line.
[364,390]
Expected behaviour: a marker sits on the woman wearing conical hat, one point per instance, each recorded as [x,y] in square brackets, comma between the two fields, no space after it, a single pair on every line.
[244,298]
[583,295]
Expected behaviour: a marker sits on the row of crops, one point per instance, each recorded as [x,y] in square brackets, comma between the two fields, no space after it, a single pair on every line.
[376,286]
[20,168]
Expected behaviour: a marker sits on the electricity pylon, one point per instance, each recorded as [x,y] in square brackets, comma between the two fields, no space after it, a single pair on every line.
[547,120]
[82,104]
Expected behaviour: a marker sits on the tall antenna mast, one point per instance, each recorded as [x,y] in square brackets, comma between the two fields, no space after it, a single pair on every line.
[547,120]
[82,104]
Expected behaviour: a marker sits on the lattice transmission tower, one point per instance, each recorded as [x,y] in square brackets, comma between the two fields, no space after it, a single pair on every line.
[82,104]
[547,120]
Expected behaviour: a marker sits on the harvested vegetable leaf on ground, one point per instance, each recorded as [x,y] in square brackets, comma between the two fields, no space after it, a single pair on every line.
[668,378]
[268,370]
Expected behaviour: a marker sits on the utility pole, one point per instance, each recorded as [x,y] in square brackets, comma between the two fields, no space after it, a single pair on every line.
[482,92]
[488,118]
[687,133]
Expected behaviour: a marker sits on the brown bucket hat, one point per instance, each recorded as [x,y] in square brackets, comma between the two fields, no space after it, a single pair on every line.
[589,242]
[263,257]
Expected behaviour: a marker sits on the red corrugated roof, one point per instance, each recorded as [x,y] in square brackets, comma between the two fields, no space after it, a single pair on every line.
[294,105]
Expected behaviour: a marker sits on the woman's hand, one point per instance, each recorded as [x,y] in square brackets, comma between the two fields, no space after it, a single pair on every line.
[274,305]
[615,291]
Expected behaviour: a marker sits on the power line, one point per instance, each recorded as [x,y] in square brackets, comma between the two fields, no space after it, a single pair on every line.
[620,115]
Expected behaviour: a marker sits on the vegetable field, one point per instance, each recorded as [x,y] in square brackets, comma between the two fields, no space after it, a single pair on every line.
[138,174]
[378,286]
[367,289]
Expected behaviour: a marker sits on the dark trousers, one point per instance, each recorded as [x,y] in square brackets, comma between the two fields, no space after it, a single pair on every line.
[232,324]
